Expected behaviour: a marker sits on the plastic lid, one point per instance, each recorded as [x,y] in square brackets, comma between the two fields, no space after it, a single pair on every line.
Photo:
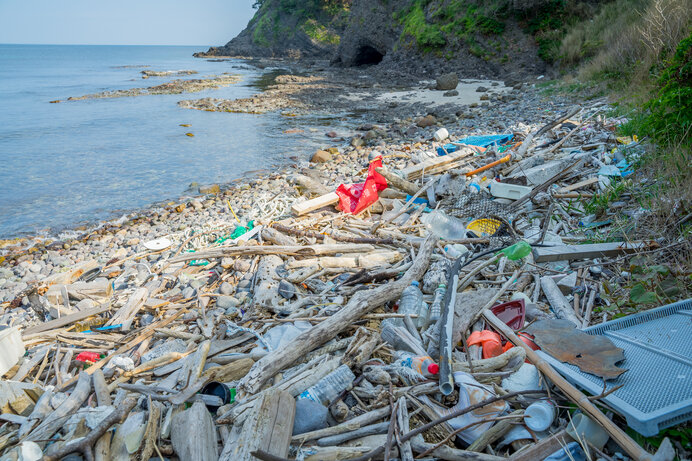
[442,285]
[433,368]
[415,283]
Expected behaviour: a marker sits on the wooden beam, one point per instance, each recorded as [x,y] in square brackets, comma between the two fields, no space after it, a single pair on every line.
[291,250]
[322,201]
[66,320]
[579,185]
[588,251]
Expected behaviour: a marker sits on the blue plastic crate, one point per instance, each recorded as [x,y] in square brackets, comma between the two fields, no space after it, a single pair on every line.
[657,388]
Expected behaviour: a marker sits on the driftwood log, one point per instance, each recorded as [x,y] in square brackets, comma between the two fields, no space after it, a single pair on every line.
[83,445]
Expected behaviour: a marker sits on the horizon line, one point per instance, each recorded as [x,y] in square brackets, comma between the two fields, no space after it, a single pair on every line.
[99,44]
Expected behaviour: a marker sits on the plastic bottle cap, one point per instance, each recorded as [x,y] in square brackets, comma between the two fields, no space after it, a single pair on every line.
[433,368]
[442,285]
[415,283]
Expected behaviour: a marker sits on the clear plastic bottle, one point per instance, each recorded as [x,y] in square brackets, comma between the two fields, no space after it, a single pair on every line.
[410,301]
[329,387]
[443,225]
[436,306]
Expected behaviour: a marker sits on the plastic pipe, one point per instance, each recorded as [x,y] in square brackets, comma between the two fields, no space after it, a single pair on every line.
[504,159]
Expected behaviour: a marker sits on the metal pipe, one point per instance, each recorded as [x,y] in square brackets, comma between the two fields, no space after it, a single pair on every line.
[446,327]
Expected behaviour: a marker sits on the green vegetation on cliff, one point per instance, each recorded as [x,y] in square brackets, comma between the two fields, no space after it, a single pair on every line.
[434,24]
[321,20]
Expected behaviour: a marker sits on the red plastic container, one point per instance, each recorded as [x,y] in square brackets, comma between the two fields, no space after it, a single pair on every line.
[512,313]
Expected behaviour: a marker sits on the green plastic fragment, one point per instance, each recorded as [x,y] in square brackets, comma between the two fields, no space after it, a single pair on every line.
[517,251]
[240,230]
[232,392]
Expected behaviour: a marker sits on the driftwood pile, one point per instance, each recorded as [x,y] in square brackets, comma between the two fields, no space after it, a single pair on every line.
[288,303]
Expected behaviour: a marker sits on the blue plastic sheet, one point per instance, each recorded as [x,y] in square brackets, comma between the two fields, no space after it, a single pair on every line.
[480,141]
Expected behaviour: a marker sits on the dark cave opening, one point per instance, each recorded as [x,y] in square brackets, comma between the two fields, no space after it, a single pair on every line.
[367,56]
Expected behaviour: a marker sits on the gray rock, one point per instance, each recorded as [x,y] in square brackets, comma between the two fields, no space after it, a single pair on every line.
[226,289]
[225,302]
[188,292]
[447,81]
[286,289]
[310,416]
[481,89]
[450,93]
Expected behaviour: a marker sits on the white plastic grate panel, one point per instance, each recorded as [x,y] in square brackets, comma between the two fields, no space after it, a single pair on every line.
[657,389]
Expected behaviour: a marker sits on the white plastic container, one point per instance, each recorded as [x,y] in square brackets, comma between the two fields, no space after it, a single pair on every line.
[510,191]
[540,415]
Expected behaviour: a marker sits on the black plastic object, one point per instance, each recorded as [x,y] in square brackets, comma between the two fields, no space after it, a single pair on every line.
[217,390]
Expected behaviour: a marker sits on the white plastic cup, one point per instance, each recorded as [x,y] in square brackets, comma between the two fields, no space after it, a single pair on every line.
[583,428]
[540,415]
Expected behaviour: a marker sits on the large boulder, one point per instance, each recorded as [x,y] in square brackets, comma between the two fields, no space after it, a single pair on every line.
[321,156]
[447,82]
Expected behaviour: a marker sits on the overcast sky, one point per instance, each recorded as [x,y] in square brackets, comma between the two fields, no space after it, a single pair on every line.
[123,22]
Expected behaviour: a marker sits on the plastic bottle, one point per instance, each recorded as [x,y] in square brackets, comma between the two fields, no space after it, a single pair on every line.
[329,387]
[443,225]
[436,306]
[474,187]
[409,303]
[423,365]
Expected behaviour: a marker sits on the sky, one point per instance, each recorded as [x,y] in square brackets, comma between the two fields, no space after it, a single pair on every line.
[123,22]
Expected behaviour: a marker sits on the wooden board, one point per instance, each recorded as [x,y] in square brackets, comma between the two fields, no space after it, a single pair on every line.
[302,208]
[589,251]
[67,320]
[579,185]
[269,429]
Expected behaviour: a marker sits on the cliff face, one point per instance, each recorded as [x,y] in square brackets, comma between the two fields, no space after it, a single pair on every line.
[471,37]
[432,36]
[290,28]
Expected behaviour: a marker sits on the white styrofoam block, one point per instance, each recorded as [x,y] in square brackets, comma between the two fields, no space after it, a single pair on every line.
[510,191]
[11,347]
[441,134]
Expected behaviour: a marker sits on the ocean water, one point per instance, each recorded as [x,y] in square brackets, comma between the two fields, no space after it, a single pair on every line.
[83,161]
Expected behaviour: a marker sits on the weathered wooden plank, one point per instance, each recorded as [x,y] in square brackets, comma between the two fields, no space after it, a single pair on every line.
[579,185]
[269,429]
[588,251]
[66,320]
[302,208]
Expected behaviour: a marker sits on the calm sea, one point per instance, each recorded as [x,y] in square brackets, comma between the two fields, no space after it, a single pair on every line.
[84,161]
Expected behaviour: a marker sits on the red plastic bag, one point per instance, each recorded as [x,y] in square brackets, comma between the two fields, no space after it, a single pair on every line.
[354,198]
